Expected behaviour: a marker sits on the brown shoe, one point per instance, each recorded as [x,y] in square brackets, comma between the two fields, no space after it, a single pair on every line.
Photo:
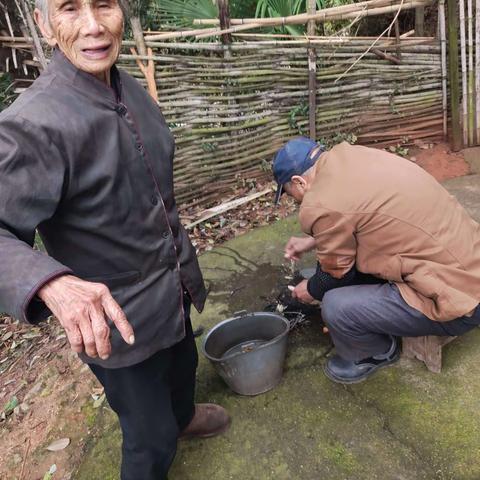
[209,420]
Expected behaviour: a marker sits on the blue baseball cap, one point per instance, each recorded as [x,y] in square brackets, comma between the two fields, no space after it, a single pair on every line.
[294,158]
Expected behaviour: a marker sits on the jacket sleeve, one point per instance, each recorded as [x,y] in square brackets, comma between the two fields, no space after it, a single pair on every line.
[335,239]
[31,182]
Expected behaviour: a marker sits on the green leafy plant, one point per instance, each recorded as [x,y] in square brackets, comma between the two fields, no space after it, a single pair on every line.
[181,13]
[209,146]
[298,110]
[7,96]
[337,138]
[284,8]
[399,149]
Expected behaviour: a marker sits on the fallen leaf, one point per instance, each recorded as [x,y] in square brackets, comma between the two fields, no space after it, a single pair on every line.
[30,335]
[7,336]
[58,445]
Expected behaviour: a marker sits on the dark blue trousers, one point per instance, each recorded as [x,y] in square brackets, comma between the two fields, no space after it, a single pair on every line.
[361,319]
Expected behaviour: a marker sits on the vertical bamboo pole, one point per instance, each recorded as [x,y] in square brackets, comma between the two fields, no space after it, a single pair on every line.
[471,76]
[137,31]
[477,68]
[312,74]
[224,17]
[463,59]
[419,21]
[34,34]
[397,38]
[443,45]
[453,74]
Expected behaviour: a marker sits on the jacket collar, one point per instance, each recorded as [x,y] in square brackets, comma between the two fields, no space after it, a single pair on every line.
[86,82]
[319,163]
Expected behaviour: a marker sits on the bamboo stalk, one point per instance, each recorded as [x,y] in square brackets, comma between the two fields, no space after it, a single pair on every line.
[312,73]
[477,68]
[33,32]
[443,42]
[333,13]
[471,76]
[374,42]
[463,57]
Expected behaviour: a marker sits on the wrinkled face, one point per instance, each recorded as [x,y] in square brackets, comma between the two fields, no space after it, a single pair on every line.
[89,32]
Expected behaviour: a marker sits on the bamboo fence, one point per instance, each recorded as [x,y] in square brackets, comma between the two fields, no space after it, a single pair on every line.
[464,85]
[229,115]
[232,105]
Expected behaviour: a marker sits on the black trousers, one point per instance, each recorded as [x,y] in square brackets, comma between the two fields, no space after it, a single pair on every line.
[154,401]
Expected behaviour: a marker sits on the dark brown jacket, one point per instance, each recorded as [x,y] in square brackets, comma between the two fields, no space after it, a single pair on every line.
[91,167]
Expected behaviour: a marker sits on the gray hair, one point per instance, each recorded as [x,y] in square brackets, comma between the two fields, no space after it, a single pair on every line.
[42,5]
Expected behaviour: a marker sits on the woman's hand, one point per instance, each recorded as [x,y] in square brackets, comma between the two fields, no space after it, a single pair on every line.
[83,308]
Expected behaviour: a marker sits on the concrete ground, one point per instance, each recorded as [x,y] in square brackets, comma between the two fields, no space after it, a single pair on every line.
[404,423]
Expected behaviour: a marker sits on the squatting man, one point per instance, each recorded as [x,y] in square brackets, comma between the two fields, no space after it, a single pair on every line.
[398,256]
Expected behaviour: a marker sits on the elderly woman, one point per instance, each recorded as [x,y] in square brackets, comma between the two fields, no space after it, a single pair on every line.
[86,159]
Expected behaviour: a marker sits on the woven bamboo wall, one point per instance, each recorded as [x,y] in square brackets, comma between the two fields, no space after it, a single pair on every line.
[230,112]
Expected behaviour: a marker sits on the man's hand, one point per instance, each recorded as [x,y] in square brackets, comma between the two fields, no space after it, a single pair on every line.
[297,246]
[82,308]
[300,292]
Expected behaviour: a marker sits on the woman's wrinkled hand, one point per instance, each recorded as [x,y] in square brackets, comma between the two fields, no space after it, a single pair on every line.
[82,309]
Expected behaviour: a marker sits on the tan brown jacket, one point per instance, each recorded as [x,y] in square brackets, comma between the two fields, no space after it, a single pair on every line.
[390,218]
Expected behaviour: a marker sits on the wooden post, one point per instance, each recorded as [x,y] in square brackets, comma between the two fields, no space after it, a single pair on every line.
[312,73]
[135,8]
[137,31]
[419,21]
[397,39]
[34,34]
[453,74]
[224,17]
[146,67]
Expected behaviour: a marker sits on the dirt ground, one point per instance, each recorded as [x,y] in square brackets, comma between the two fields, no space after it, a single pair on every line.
[46,394]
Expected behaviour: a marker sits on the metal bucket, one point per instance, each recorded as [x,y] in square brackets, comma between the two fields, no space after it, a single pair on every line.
[248,351]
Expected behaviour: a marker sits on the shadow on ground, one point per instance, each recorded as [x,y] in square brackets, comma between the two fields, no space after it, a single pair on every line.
[403,424]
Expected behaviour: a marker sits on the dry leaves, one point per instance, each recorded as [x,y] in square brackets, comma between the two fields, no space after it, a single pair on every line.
[58,445]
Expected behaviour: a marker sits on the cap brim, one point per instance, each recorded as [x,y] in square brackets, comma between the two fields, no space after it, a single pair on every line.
[278,194]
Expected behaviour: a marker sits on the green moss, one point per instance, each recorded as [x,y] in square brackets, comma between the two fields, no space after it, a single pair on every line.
[404,422]
[90,414]
[341,457]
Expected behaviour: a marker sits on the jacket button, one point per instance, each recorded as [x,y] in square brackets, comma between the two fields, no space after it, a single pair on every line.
[166,234]
[154,200]
[121,109]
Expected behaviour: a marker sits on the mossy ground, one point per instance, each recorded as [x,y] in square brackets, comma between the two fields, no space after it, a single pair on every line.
[405,423]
